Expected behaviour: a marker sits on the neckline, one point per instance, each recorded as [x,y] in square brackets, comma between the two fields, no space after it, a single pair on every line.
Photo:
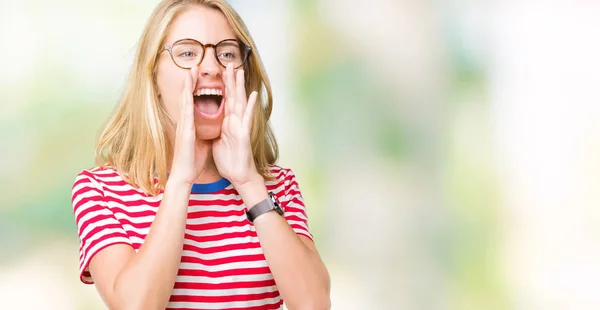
[208,188]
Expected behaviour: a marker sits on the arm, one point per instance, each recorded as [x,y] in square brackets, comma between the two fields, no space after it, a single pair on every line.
[126,280]
[144,280]
[301,276]
[299,273]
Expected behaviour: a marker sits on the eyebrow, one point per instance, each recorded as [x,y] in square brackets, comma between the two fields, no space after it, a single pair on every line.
[190,40]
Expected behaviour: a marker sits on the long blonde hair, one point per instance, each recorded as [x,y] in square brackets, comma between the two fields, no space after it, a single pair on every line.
[134,141]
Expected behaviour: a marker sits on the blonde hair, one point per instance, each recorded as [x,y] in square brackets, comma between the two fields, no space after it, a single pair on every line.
[134,141]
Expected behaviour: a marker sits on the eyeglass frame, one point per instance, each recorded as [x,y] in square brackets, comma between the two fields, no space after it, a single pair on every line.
[246,50]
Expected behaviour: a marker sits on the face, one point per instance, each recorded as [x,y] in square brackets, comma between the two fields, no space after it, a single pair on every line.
[208,26]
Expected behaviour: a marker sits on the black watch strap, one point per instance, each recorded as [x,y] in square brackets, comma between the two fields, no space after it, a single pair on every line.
[267,205]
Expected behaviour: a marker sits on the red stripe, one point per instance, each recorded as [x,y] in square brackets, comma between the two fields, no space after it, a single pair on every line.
[224,273]
[223,298]
[212,213]
[221,261]
[222,248]
[129,211]
[273,306]
[224,286]
[128,192]
[215,202]
[138,226]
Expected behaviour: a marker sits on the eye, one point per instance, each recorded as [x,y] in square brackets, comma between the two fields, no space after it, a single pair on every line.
[187,54]
[227,55]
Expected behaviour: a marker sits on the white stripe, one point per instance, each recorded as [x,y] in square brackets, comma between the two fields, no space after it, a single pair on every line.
[302,232]
[124,212]
[278,189]
[216,219]
[223,305]
[89,179]
[124,187]
[224,254]
[135,239]
[136,219]
[130,197]
[218,231]
[140,231]
[107,177]
[227,279]
[298,214]
[301,224]
[225,292]
[98,172]
[237,206]
[222,242]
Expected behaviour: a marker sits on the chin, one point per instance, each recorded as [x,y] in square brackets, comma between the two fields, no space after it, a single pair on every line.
[208,132]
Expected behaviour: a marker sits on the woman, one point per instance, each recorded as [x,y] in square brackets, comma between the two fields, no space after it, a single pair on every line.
[186,209]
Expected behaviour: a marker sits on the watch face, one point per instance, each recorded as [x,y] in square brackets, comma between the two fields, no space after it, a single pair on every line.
[274,199]
[276,203]
[278,209]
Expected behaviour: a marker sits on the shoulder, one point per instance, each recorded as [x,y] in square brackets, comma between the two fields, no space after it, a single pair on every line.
[98,178]
[98,175]
[284,180]
[281,174]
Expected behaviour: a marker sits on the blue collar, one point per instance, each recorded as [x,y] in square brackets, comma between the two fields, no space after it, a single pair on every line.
[207,188]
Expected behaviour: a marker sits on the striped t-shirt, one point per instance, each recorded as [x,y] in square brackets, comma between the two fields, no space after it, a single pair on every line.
[222,264]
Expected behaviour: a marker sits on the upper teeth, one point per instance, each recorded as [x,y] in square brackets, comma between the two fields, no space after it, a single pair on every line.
[209,91]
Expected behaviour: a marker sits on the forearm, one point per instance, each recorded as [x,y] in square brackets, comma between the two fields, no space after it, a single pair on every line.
[147,280]
[300,275]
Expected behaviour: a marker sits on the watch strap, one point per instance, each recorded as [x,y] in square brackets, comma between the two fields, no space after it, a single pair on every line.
[267,205]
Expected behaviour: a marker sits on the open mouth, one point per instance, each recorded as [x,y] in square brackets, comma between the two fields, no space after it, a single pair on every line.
[208,101]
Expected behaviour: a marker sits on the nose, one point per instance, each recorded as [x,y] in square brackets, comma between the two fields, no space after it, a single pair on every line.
[209,65]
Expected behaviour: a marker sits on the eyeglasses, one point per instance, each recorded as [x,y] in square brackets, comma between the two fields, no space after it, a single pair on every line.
[187,53]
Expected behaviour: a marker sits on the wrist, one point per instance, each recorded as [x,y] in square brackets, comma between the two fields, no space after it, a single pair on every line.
[173,184]
[252,191]
[253,181]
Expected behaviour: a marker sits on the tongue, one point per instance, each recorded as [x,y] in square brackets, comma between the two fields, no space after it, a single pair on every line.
[207,105]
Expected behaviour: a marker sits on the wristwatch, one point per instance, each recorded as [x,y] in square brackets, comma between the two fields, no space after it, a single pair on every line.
[267,205]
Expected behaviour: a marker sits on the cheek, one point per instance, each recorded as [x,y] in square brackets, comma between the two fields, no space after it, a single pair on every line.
[170,82]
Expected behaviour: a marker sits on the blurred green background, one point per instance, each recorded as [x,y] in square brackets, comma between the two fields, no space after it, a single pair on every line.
[447,150]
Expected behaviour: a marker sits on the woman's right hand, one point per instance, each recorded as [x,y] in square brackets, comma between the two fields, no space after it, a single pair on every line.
[183,168]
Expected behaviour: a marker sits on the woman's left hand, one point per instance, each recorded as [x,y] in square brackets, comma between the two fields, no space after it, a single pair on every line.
[232,151]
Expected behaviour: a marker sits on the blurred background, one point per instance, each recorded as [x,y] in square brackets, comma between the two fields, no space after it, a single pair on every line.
[448,151]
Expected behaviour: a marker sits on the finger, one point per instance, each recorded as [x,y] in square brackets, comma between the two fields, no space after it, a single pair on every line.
[249,113]
[190,95]
[187,100]
[183,100]
[194,73]
[228,79]
[240,92]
